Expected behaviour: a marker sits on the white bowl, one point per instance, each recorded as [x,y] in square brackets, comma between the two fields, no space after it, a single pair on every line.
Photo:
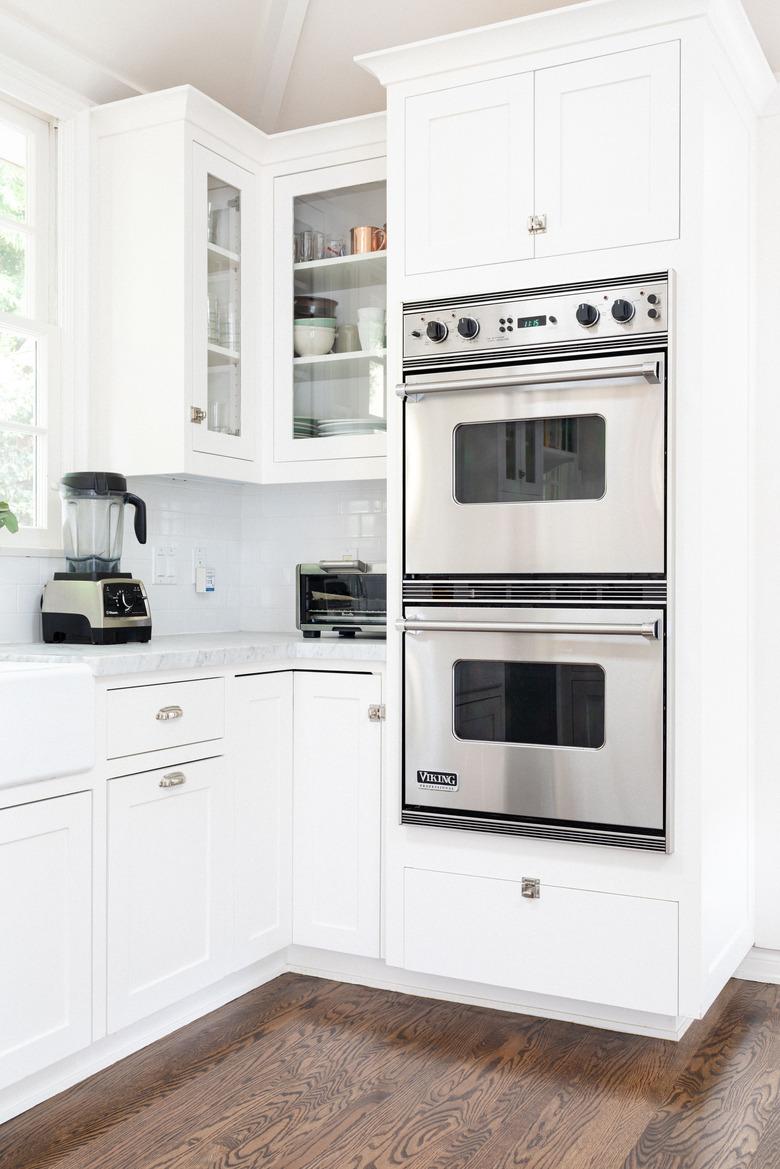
[313,340]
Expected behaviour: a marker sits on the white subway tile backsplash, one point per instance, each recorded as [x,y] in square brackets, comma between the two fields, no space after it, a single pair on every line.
[254,537]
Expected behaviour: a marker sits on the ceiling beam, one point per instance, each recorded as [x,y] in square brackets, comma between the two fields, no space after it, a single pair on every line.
[280,34]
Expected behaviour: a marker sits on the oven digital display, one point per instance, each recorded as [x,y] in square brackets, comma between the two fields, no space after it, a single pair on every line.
[530,322]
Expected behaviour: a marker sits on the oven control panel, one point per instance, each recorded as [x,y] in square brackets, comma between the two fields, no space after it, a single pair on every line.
[636,308]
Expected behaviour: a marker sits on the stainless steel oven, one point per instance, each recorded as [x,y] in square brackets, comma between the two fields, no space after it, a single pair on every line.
[534,432]
[536,721]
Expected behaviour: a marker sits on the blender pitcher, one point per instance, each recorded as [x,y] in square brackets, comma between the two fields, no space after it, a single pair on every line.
[93,504]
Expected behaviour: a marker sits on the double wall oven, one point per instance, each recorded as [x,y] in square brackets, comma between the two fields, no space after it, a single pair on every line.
[535,566]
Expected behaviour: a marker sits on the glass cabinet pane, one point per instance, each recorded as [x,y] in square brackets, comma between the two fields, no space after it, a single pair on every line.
[339,300]
[223,399]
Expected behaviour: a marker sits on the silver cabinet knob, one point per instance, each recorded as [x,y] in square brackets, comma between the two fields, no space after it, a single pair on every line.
[165,713]
[173,779]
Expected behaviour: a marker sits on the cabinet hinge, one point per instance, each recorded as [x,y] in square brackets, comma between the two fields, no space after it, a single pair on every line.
[531,887]
[197,415]
[537,224]
[376,713]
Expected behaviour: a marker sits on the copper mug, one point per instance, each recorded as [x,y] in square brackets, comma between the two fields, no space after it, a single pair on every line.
[368,239]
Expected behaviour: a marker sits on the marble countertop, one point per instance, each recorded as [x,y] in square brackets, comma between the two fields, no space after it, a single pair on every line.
[195,651]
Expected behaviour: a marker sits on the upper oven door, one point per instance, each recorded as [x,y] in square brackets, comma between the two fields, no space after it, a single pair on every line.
[554,467]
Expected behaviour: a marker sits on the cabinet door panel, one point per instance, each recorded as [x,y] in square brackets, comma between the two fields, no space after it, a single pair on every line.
[337,813]
[262,705]
[169,887]
[45,933]
[607,150]
[469,175]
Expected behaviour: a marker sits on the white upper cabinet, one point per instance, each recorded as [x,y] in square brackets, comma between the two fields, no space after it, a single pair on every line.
[573,158]
[469,175]
[45,933]
[607,151]
[177,304]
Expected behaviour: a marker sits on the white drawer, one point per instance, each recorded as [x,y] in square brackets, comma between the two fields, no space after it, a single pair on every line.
[175,714]
[572,943]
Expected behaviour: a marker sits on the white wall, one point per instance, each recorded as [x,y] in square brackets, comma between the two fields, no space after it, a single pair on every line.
[253,536]
[290,524]
[766,547]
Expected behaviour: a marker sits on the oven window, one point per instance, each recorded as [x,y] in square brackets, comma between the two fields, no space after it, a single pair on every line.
[547,704]
[535,460]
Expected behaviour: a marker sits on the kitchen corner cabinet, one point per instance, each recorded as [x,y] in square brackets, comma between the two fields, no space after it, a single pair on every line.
[262,713]
[329,401]
[177,308]
[170,906]
[594,162]
[45,933]
[337,829]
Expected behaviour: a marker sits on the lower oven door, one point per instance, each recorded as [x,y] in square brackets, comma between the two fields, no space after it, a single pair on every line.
[546,717]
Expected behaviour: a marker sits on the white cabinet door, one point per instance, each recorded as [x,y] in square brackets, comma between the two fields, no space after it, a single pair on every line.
[607,150]
[226,313]
[337,781]
[45,933]
[169,886]
[469,175]
[261,709]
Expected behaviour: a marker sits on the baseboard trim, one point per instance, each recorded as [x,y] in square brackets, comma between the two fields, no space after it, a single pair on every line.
[760,966]
[371,972]
[111,1048]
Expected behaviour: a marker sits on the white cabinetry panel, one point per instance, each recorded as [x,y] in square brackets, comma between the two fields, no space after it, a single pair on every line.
[469,175]
[573,943]
[262,708]
[607,150]
[169,886]
[337,833]
[152,718]
[45,933]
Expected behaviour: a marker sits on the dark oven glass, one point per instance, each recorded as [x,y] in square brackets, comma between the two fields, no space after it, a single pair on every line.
[538,459]
[343,598]
[541,703]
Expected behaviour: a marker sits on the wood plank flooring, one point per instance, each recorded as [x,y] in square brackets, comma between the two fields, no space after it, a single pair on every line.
[309,1074]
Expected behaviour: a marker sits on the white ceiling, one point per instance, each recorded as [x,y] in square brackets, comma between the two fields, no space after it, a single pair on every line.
[279,63]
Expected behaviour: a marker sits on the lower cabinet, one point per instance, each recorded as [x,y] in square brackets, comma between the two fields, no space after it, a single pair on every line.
[45,933]
[336,819]
[571,943]
[170,888]
[262,708]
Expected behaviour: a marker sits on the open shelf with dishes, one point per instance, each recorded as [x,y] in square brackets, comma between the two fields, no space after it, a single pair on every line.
[330,386]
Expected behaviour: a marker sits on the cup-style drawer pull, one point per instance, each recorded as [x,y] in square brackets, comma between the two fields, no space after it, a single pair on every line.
[165,713]
[173,779]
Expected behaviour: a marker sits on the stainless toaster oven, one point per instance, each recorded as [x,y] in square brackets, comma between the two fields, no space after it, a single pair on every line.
[341,596]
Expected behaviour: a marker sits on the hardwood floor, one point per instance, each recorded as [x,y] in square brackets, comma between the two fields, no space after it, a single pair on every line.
[310,1074]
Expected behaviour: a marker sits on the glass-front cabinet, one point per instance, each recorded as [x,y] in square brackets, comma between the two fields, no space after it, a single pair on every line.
[330,308]
[224,333]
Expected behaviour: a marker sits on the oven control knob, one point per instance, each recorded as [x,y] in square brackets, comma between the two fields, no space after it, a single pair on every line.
[587,315]
[468,327]
[623,311]
[437,331]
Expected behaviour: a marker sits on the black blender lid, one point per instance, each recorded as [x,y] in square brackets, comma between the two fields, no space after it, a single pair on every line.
[100,482]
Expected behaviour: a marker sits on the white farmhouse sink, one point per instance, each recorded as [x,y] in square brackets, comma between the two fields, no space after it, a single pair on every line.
[47,721]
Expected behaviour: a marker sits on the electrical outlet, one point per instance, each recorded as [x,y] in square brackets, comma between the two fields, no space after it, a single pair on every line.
[164,570]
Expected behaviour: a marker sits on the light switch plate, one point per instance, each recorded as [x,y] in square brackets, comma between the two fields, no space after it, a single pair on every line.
[164,571]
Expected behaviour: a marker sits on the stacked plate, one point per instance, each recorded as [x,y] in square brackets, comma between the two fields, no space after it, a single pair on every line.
[304,427]
[343,427]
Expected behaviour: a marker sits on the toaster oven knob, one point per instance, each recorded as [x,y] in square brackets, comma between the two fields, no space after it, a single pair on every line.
[468,327]
[437,331]
[587,315]
[623,311]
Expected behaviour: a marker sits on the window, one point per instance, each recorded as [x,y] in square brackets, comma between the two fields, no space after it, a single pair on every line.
[28,334]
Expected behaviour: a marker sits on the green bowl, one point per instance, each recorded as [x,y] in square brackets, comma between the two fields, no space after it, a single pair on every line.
[316,322]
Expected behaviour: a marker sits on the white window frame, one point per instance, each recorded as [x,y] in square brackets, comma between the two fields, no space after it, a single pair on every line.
[63,329]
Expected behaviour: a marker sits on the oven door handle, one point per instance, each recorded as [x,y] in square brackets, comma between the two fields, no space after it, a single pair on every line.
[647,629]
[649,370]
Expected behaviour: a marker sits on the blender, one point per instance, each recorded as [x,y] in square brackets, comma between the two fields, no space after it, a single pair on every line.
[92,602]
